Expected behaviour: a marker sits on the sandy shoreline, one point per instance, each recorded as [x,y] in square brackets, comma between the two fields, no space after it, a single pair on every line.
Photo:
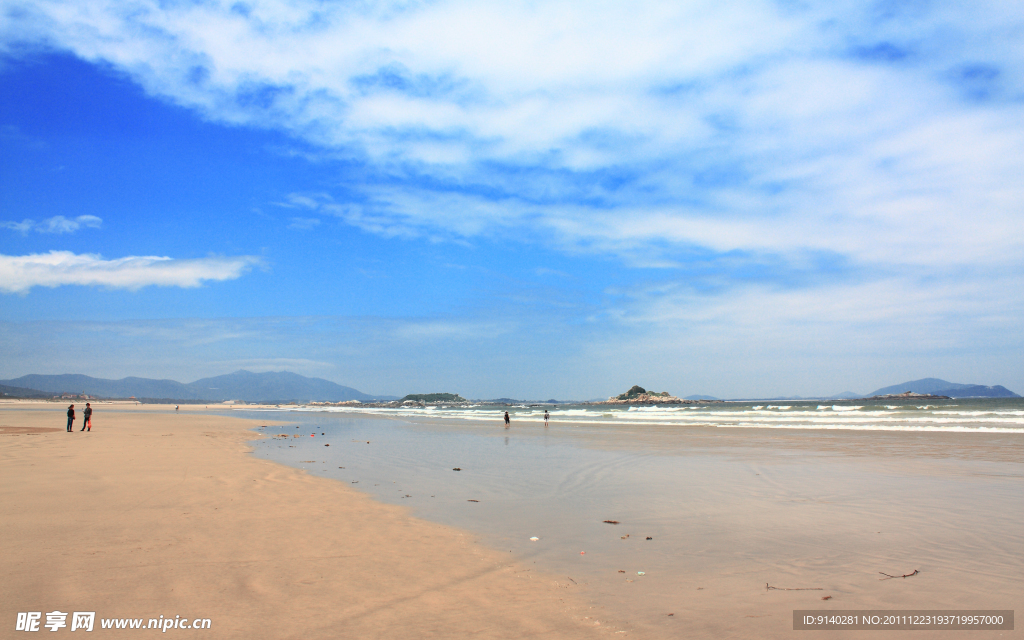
[166,514]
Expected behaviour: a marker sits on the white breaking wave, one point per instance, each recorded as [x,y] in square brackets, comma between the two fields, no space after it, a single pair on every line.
[954,429]
[990,419]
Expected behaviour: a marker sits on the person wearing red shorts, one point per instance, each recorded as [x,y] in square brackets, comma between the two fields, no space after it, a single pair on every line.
[87,417]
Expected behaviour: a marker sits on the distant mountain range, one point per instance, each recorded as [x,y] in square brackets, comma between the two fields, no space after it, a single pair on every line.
[21,392]
[271,386]
[284,386]
[937,387]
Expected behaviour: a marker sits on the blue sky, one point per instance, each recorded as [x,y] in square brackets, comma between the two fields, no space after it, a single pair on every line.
[513,199]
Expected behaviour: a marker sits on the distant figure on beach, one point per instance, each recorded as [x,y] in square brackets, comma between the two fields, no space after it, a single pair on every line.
[87,417]
[546,416]
[506,419]
[71,418]
[175,407]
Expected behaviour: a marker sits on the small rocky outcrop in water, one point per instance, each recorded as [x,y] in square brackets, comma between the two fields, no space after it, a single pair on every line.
[639,395]
[433,397]
[908,395]
[412,400]
[636,391]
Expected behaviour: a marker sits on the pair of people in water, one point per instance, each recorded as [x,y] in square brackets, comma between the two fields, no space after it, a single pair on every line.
[546,417]
[86,418]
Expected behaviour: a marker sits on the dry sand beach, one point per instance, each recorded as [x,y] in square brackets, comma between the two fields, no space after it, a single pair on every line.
[154,513]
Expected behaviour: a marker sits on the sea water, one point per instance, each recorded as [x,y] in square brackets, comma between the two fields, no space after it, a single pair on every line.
[727,496]
[971,414]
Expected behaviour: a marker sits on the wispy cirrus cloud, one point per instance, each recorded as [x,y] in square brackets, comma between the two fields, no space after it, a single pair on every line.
[821,337]
[310,201]
[56,224]
[304,224]
[19,274]
[22,227]
[752,126]
[295,365]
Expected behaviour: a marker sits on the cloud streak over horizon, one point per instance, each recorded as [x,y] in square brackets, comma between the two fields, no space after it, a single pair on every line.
[19,274]
[56,224]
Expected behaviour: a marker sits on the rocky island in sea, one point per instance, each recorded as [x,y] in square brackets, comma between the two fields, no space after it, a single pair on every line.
[639,395]
[411,400]
[908,395]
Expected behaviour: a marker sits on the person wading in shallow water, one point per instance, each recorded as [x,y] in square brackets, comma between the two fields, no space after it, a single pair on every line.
[506,419]
[87,417]
[71,418]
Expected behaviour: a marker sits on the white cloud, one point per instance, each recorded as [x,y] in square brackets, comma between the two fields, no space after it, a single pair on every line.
[639,130]
[424,331]
[18,274]
[22,227]
[60,224]
[303,200]
[760,340]
[304,224]
[544,271]
[303,366]
[56,224]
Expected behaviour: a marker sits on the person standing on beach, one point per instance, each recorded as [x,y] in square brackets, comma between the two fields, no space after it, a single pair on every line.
[506,419]
[546,416]
[87,417]
[71,418]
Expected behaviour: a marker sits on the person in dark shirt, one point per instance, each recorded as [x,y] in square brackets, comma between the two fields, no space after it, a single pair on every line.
[506,419]
[71,418]
[87,417]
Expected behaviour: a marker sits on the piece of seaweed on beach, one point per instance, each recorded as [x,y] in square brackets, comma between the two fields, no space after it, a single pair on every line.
[611,522]
[906,575]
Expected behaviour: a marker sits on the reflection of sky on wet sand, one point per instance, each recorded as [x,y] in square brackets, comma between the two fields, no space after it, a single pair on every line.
[727,509]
